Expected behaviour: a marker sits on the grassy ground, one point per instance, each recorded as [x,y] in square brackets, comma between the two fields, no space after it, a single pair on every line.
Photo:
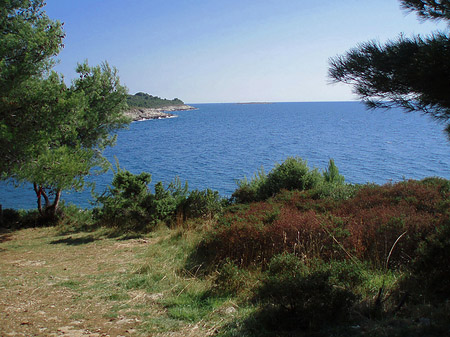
[75,284]
[332,260]
[55,282]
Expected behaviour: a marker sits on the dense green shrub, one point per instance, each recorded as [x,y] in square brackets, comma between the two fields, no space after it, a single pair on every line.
[129,204]
[429,273]
[165,203]
[229,279]
[250,190]
[293,174]
[301,296]
[75,219]
[335,191]
[203,204]
[331,174]
[124,205]
[9,218]
[16,219]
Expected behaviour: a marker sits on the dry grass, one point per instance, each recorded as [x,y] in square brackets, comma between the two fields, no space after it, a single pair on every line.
[79,284]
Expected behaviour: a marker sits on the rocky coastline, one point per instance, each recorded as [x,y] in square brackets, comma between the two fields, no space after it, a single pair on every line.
[142,114]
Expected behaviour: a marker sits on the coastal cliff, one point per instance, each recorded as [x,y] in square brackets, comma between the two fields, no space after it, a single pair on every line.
[141,114]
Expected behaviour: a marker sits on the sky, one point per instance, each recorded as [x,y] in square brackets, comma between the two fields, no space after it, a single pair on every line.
[219,51]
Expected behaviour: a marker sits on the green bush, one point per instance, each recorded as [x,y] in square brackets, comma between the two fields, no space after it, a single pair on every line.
[10,218]
[125,203]
[229,279]
[250,190]
[165,203]
[292,174]
[333,185]
[430,271]
[300,296]
[203,204]
[335,191]
[74,219]
[331,174]
[129,204]
[16,219]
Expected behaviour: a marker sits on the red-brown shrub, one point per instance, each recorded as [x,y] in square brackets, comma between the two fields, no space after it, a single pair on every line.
[422,197]
[305,200]
[302,233]
[249,238]
[365,226]
[378,215]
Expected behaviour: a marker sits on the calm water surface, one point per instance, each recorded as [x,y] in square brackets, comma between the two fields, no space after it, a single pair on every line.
[217,144]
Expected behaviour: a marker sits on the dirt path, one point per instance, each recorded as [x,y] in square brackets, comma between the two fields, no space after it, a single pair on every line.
[52,285]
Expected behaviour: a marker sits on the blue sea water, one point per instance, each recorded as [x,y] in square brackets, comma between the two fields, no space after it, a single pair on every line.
[217,144]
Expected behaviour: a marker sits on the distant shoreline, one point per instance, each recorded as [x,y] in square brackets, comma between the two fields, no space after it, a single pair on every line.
[142,114]
[254,103]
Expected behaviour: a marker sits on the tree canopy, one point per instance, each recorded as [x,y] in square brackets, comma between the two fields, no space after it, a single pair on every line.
[428,9]
[412,73]
[28,41]
[51,134]
[143,100]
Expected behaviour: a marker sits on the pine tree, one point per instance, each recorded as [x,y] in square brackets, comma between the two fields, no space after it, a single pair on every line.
[411,73]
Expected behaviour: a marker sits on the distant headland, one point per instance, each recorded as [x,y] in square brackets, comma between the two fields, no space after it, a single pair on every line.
[143,106]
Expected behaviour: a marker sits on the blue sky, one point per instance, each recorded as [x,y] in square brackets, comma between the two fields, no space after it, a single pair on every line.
[229,50]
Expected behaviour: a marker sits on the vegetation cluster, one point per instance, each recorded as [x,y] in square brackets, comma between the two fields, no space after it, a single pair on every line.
[143,100]
[298,250]
[129,204]
[295,252]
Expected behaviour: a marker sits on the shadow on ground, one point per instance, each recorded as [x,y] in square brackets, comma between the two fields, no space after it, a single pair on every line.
[74,241]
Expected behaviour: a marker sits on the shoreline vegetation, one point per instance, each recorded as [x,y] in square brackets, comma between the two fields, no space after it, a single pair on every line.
[143,106]
[294,252]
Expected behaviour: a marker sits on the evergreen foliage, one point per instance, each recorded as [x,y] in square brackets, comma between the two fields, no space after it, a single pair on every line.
[292,174]
[429,276]
[125,203]
[143,100]
[331,174]
[51,134]
[412,73]
[28,41]
[298,296]
[429,9]
[129,205]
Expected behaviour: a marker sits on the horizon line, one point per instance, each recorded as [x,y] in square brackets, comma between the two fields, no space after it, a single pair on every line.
[272,102]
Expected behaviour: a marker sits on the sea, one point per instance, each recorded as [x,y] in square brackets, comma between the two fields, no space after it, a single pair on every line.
[219,144]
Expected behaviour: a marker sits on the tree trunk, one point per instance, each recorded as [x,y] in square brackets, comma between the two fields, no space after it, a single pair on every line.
[53,208]
[50,209]
[38,191]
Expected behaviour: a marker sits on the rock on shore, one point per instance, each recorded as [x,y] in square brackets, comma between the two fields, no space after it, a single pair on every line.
[142,114]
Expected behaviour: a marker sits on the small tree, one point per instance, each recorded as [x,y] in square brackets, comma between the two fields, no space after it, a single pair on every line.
[51,134]
[331,174]
[412,73]
[78,128]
